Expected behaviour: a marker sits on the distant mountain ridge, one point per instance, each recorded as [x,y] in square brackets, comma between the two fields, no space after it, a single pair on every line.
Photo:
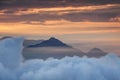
[5,37]
[57,49]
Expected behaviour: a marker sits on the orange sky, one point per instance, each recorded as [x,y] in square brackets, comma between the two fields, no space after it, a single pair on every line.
[60,28]
[81,24]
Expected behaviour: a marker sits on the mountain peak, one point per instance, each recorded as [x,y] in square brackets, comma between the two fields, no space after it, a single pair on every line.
[96,49]
[52,38]
[51,42]
[96,52]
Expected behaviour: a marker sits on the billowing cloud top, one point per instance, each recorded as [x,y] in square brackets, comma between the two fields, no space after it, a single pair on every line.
[10,52]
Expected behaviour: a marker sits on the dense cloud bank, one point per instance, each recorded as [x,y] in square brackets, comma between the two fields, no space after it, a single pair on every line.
[68,68]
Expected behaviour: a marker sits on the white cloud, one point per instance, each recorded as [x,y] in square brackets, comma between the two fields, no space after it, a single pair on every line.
[68,68]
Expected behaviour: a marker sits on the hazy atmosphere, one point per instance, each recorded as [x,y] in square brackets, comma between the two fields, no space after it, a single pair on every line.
[82,23]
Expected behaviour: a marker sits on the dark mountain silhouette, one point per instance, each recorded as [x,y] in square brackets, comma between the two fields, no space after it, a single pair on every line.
[50,48]
[52,42]
[53,47]
[96,52]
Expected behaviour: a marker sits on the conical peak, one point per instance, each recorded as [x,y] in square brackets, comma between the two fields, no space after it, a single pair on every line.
[52,38]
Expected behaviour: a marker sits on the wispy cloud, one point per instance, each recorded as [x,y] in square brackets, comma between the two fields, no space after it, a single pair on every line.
[96,13]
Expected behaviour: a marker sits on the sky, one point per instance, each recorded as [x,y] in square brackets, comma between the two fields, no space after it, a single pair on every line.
[85,24]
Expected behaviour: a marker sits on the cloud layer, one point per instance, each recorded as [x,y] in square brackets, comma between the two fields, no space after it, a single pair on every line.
[55,3]
[68,68]
[75,11]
